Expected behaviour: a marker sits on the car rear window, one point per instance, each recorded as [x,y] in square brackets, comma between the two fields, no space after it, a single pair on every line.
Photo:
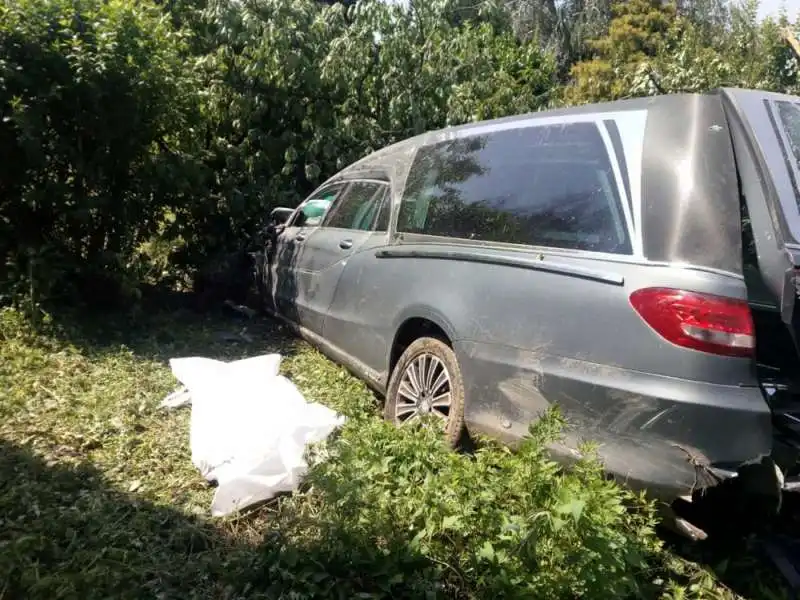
[548,186]
[789,116]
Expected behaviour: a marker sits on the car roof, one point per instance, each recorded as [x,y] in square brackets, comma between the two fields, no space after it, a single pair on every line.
[429,136]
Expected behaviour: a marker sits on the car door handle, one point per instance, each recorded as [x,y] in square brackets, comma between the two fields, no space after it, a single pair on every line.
[346,244]
[299,237]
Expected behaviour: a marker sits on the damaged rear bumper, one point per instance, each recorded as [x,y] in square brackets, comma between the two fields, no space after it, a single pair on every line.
[668,436]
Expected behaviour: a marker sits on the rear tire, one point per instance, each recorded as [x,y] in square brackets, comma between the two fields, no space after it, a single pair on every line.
[427,381]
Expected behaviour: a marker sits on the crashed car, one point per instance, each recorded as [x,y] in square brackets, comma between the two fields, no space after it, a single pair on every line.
[634,263]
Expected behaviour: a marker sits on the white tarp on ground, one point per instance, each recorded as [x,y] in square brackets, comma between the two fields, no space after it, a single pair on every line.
[250,427]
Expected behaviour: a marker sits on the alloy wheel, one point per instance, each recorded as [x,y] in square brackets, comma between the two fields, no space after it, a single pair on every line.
[424,390]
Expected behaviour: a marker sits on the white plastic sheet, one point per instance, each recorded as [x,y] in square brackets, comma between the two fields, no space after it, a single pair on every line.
[249,428]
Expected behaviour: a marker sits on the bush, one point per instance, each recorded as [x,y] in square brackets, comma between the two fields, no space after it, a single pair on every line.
[296,91]
[393,513]
[90,90]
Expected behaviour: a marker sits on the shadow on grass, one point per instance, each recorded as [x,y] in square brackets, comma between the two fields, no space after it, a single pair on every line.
[734,551]
[67,534]
[165,323]
[738,564]
[169,324]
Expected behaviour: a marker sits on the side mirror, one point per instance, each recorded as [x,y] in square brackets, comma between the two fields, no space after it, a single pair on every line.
[280,215]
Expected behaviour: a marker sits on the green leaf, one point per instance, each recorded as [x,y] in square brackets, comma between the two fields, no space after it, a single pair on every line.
[486,551]
[451,522]
[573,507]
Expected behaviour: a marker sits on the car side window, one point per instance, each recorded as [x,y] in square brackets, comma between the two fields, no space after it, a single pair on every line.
[314,208]
[357,207]
[789,116]
[385,211]
[550,185]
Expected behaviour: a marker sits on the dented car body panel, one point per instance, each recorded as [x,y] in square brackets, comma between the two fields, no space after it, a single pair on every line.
[536,300]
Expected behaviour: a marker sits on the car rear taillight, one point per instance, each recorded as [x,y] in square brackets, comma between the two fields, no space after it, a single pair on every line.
[698,321]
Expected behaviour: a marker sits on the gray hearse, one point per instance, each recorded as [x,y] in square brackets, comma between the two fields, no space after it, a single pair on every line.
[634,263]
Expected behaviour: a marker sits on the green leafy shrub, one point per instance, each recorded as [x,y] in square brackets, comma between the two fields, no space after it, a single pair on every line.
[89,90]
[393,513]
[295,91]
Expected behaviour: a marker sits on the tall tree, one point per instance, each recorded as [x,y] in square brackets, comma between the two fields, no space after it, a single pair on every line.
[558,26]
[637,34]
[708,17]
[749,53]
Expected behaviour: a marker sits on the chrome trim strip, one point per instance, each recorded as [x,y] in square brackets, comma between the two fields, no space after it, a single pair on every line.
[523,263]
[407,239]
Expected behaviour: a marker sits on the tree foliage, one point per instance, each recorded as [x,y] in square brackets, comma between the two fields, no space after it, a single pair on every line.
[751,54]
[653,48]
[89,90]
[144,139]
[637,33]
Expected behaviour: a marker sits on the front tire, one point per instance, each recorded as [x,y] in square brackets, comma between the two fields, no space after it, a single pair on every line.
[427,382]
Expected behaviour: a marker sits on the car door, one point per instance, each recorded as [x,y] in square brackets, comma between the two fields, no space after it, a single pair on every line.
[287,258]
[359,318]
[348,224]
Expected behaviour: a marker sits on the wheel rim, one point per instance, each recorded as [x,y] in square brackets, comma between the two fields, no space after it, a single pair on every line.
[424,390]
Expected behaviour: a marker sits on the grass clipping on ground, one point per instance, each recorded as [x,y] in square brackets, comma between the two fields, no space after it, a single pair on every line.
[99,499]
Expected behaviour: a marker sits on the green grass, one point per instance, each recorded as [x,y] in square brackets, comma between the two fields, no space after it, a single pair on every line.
[99,499]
